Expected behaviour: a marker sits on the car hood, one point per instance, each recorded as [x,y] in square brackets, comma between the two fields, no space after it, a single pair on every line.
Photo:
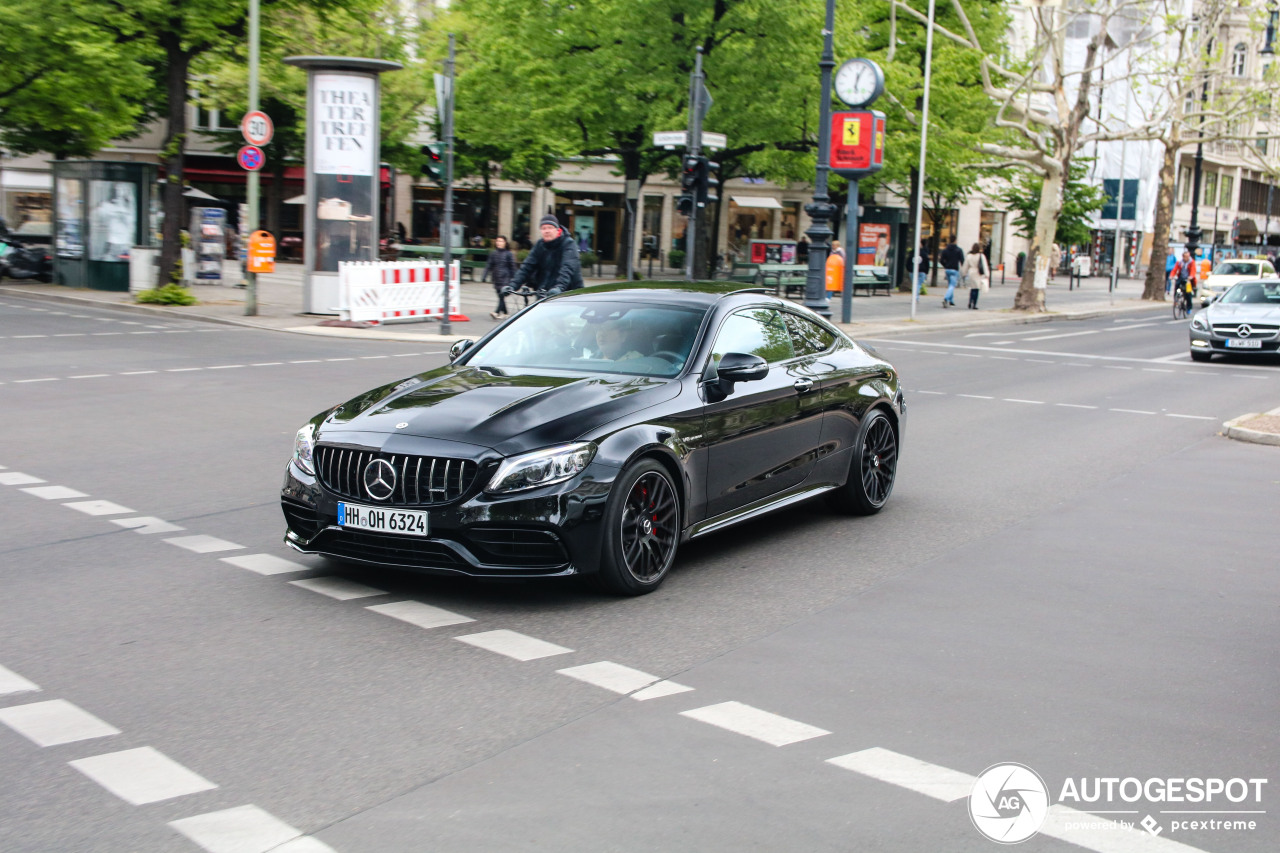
[508,411]
[1225,281]
[1243,312]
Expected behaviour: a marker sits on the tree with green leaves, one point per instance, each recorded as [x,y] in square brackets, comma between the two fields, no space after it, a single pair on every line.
[1080,199]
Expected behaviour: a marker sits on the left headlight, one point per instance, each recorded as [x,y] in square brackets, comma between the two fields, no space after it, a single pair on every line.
[303,445]
[1199,323]
[542,467]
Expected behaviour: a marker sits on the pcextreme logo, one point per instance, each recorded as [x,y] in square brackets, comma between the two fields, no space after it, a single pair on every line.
[1010,802]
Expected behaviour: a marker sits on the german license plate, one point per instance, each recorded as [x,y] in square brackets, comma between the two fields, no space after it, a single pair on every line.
[1244,344]
[408,522]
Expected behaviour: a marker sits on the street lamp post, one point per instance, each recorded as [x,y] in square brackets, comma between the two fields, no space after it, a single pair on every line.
[1193,231]
[821,210]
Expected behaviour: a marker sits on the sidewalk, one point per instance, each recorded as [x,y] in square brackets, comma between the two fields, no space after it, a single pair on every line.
[279,298]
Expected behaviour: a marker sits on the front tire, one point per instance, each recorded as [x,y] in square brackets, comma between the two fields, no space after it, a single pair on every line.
[642,530]
[872,470]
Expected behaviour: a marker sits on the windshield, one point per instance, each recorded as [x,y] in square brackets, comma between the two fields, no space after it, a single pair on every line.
[1236,268]
[1254,292]
[595,337]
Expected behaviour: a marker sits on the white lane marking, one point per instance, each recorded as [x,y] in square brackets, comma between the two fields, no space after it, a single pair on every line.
[72,335]
[339,588]
[934,352]
[202,544]
[106,334]
[1002,343]
[45,379]
[54,493]
[976,396]
[1075,355]
[1156,370]
[966,355]
[1016,400]
[264,564]
[1075,364]
[147,524]
[246,829]
[224,367]
[754,723]
[130,323]
[267,364]
[1132,411]
[1126,328]
[182,369]
[371,357]
[611,676]
[16,337]
[54,722]
[89,376]
[306,361]
[657,691]
[513,644]
[1115,367]
[1002,358]
[1201,372]
[98,507]
[940,393]
[941,783]
[1074,406]
[349,358]
[417,613]
[137,372]
[144,333]
[1191,417]
[1040,360]
[11,682]
[142,775]
[17,478]
[1061,335]
[1095,832]
[1245,376]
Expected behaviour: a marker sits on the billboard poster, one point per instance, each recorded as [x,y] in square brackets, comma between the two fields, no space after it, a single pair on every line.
[113,220]
[70,218]
[343,124]
[873,244]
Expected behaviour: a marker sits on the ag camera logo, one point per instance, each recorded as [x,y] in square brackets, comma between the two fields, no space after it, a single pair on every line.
[1008,803]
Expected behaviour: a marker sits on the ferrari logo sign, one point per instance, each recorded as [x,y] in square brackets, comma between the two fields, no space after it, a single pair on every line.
[857,143]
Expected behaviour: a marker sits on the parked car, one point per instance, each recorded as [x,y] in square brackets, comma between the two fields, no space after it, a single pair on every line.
[1229,272]
[1244,319]
[594,432]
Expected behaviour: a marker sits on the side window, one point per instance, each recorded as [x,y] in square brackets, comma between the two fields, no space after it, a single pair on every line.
[758,331]
[807,337]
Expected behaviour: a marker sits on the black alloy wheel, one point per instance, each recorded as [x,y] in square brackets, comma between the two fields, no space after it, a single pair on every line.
[872,469]
[642,530]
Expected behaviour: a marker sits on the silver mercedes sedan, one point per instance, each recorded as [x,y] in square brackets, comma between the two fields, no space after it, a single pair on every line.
[1245,319]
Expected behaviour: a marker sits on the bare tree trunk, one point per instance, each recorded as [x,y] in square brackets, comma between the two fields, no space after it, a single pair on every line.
[1155,284]
[1029,297]
[177,64]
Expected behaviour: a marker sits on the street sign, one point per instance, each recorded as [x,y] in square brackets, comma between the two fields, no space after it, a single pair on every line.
[680,138]
[256,127]
[250,158]
[262,252]
[857,143]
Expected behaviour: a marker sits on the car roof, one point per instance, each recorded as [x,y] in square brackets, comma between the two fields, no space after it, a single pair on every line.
[702,294]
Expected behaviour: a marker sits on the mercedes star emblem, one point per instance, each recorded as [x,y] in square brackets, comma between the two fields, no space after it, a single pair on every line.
[1244,330]
[379,479]
[401,425]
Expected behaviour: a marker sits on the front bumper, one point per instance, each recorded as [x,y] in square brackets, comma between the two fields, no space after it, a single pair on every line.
[545,532]
[1206,340]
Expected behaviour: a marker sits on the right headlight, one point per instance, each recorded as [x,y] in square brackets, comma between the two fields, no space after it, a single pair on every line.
[541,468]
[303,446]
[1199,323]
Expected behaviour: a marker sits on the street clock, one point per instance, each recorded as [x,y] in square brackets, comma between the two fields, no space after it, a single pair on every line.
[858,82]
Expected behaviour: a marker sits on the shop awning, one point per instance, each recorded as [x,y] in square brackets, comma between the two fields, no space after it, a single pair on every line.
[1248,229]
[756,201]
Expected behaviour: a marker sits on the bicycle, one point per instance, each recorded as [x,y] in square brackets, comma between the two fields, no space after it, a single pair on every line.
[1180,300]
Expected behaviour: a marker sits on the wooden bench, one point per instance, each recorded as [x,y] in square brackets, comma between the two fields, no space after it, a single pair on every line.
[784,278]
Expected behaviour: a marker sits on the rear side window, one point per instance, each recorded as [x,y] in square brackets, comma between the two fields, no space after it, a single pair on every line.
[807,337]
[756,331]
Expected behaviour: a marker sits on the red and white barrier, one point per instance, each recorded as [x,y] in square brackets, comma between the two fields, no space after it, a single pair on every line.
[397,291]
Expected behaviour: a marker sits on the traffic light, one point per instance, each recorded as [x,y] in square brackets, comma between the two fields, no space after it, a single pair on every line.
[684,204]
[689,177]
[433,161]
[708,184]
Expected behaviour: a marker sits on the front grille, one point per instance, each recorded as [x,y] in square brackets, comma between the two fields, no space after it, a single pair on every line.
[420,480]
[390,550]
[1260,331]
[514,547]
[300,518]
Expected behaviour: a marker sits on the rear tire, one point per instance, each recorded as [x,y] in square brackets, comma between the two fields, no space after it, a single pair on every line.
[641,531]
[1200,355]
[873,469]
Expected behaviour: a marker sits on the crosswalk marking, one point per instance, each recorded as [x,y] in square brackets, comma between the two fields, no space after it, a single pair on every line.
[142,775]
[246,829]
[11,682]
[417,613]
[339,588]
[514,645]
[202,544]
[754,723]
[941,783]
[54,722]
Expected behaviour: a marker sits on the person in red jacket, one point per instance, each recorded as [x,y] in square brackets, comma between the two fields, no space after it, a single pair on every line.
[1185,278]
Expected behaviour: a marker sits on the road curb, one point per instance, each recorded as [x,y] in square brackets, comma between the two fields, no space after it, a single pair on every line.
[1233,429]
[904,327]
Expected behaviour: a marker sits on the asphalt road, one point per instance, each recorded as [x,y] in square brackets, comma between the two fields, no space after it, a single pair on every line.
[1074,573]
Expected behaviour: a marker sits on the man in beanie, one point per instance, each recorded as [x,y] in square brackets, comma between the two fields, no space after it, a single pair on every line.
[552,265]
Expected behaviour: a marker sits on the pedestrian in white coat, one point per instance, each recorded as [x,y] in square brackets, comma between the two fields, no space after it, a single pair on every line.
[977,273]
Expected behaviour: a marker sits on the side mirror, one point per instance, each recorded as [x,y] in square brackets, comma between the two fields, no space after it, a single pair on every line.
[459,347]
[741,367]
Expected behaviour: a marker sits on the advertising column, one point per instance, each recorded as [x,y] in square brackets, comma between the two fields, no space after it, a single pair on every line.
[341,221]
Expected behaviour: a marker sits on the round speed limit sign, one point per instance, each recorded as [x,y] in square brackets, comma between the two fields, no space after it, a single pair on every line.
[257,128]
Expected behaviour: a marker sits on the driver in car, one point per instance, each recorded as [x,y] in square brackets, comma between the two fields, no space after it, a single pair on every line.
[614,340]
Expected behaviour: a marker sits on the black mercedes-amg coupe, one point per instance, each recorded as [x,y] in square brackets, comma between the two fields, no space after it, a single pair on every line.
[594,432]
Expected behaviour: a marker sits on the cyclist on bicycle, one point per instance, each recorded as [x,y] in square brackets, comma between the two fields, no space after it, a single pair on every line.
[552,265]
[1185,275]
